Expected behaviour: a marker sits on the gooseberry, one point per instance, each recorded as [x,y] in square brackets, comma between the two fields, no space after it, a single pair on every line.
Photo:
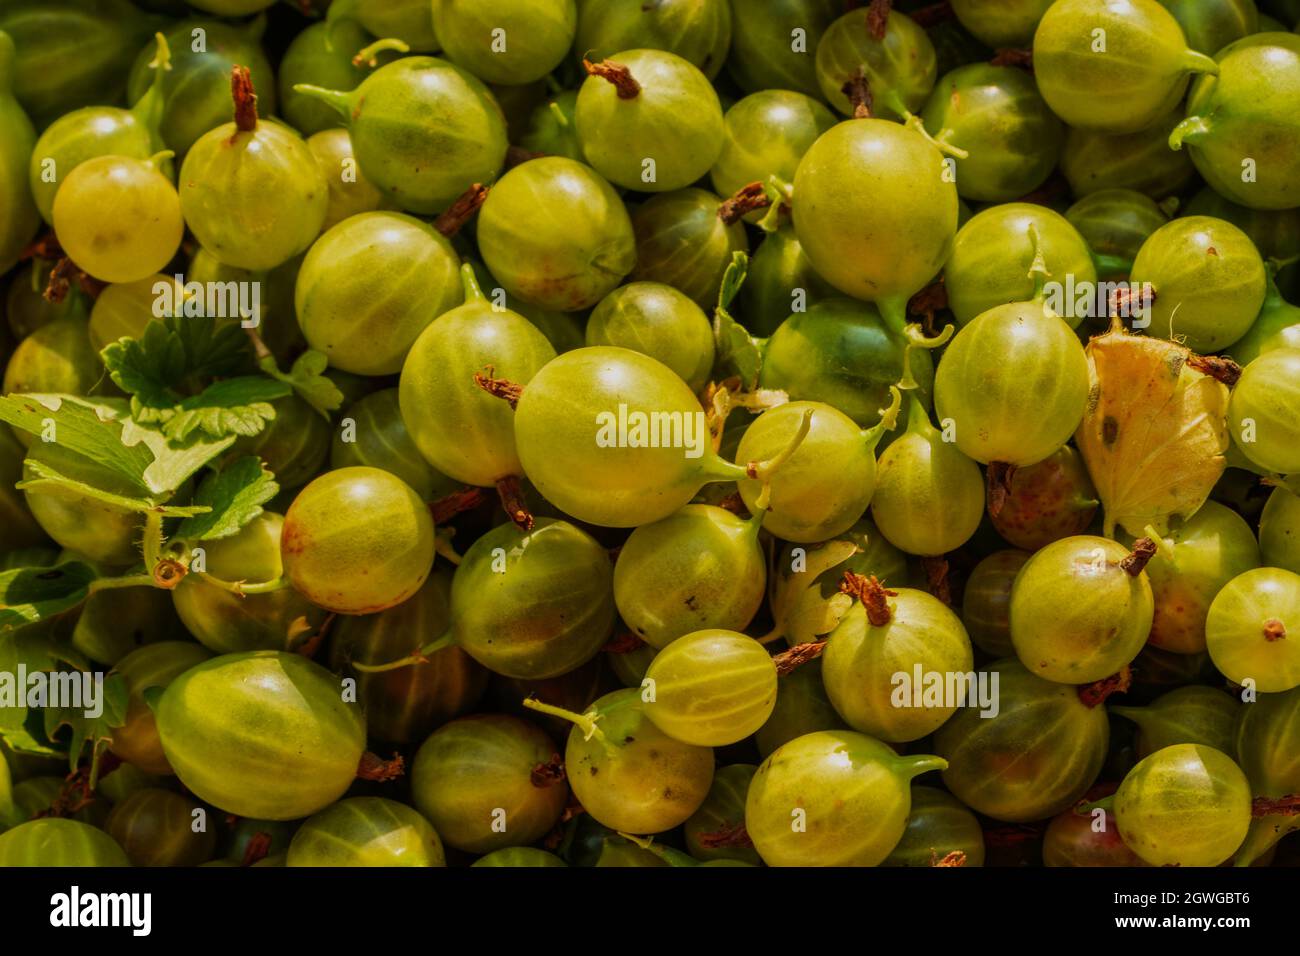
[899,65]
[156,665]
[1267,747]
[1093,160]
[660,321]
[1047,501]
[366,831]
[699,31]
[682,241]
[53,841]
[938,829]
[321,55]
[1186,715]
[1261,412]
[503,41]
[156,827]
[1279,531]
[986,601]
[1115,223]
[372,433]
[1248,629]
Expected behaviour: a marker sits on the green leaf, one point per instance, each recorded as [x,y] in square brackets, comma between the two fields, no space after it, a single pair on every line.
[172,353]
[235,497]
[308,379]
[234,406]
[97,731]
[92,430]
[736,347]
[6,794]
[31,595]
[46,476]
[38,649]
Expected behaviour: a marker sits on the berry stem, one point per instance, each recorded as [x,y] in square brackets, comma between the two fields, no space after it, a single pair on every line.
[1144,549]
[499,387]
[376,768]
[617,74]
[787,662]
[1274,630]
[337,100]
[763,470]
[511,492]
[873,594]
[460,212]
[1189,130]
[858,89]
[369,56]
[1000,476]
[914,766]
[727,836]
[584,722]
[458,502]
[149,108]
[548,774]
[1094,694]
[888,419]
[241,88]
[878,18]
[420,656]
[746,200]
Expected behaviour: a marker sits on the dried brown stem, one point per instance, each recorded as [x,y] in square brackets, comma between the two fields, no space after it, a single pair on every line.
[858,90]
[241,88]
[617,74]
[929,301]
[458,502]
[1000,476]
[1274,630]
[936,578]
[498,387]
[872,593]
[955,858]
[511,493]
[1144,549]
[746,200]
[374,767]
[462,210]
[734,835]
[548,774]
[257,849]
[1288,806]
[517,156]
[1020,58]
[168,573]
[1096,693]
[878,18]
[1224,370]
[624,643]
[790,661]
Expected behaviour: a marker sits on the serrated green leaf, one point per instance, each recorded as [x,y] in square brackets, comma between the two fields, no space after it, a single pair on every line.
[235,497]
[172,353]
[308,380]
[737,350]
[98,731]
[92,430]
[45,476]
[30,595]
[796,602]
[235,406]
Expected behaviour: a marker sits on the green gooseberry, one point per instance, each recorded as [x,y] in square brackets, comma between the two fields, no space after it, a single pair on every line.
[117,621]
[25,307]
[125,309]
[1267,747]
[1115,223]
[826,484]
[407,704]
[489,781]
[929,497]
[699,31]
[1116,67]
[226,622]
[780,283]
[1210,25]
[1001,24]
[95,131]
[293,446]
[321,55]
[1208,278]
[21,528]
[900,66]
[1261,412]
[993,254]
[366,831]
[502,41]
[556,235]
[1093,160]
[371,285]
[1046,502]
[700,568]
[681,241]
[350,193]
[1248,626]
[853,223]
[460,429]
[659,321]
[195,91]
[553,129]
[1186,805]
[1032,758]
[1246,120]
[712,688]
[712,832]
[986,601]
[410,21]
[764,54]
[843,353]
[263,734]
[626,772]
[1191,565]
[650,122]
[766,134]
[1081,609]
[802,707]
[156,665]
[414,108]
[53,841]
[519,856]
[1187,715]
[852,793]
[156,827]
[1279,530]
[886,633]
[55,359]
[373,433]
[938,826]
[630,666]
[997,116]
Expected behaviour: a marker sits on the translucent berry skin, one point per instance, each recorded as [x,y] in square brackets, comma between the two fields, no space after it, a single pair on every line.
[1047,501]
[556,235]
[156,828]
[1014,383]
[357,541]
[1204,554]
[380,439]
[459,428]
[1261,412]
[366,831]
[370,286]
[854,793]
[414,108]
[699,31]
[471,766]
[136,741]
[993,252]
[1267,747]
[938,825]
[1209,281]
[1115,223]
[1002,24]
[996,114]
[350,193]
[847,188]
[321,55]
[1251,629]
[537,36]
[1276,327]
[56,359]
[1140,77]
[408,20]
[541,610]
[281,744]
[862,660]
[1248,112]
[558,432]
[1071,840]
[658,320]
[293,446]
[825,486]
[900,67]
[986,601]
[697,569]
[633,777]
[1037,756]
[1076,615]
[781,281]
[1186,805]
[681,242]
[675,120]
[1093,160]
[1187,715]
[53,841]
[1211,26]
[118,218]
[1279,531]
[711,688]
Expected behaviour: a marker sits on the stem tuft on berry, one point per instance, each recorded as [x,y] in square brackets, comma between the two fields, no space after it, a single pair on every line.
[617,74]
[1274,630]
[746,200]
[241,88]
[511,493]
[376,768]
[858,90]
[1144,549]
[878,18]
[787,662]
[872,593]
[1096,693]
[548,774]
[462,210]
